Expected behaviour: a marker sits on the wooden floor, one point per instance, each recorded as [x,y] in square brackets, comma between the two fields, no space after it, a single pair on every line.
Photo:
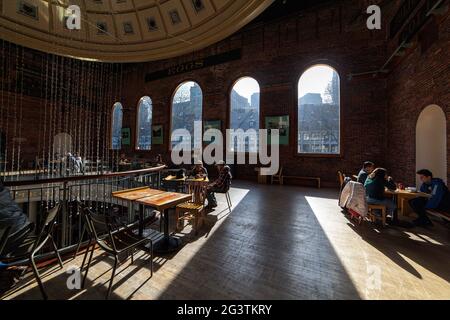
[279,242]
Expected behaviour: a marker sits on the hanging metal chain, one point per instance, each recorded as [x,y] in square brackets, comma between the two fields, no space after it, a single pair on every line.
[22,68]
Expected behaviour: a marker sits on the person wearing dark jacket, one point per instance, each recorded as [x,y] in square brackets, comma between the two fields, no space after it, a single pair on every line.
[221,184]
[11,216]
[367,169]
[439,200]
[375,185]
[199,171]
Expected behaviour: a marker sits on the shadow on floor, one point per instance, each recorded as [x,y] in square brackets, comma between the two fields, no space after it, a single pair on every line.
[96,283]
[270,247]
[395,241]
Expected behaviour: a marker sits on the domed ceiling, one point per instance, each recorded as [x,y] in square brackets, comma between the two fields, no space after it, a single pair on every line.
[124,30]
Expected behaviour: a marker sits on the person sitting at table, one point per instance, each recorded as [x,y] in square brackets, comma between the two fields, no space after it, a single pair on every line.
[375,185]
[221,184]
[123,159]
[11,216]
[367,169]
[199,171]
[181,174]
[440,197]
[158,160]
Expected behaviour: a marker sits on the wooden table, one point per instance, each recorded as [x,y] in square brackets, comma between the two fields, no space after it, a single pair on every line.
[132,195]
[172,183]
[179,184]
[206,180]
[136,193]
[163,202]
[402,197]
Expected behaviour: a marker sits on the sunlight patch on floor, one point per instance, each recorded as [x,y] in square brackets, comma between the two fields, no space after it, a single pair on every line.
[379,268]
[330,218]
[237,195]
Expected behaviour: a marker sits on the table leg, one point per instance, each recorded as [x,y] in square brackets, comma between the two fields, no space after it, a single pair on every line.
[169,243]
[141,220]
[406,209]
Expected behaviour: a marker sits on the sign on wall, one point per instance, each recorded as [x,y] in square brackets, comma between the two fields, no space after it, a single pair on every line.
[126,136]
[282,124]
[157,134]
[194,65]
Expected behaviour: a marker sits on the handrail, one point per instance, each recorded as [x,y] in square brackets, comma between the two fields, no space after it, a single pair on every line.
[83,177]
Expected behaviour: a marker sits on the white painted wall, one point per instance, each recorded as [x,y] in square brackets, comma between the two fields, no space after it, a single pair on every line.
[431,142]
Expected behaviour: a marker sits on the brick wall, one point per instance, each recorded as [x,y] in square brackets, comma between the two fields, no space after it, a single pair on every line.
[276,53]
[420,79]
[378,113]
[42,95]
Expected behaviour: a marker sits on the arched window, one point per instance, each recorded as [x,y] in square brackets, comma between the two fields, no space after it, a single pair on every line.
[144,124]
[116,132]
[319,111]
[187,107]
[244,114]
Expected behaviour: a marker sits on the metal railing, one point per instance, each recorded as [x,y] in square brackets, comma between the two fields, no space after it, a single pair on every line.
[36,197]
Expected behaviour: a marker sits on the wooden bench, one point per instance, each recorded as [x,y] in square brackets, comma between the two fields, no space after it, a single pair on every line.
[316,179]
[440,214]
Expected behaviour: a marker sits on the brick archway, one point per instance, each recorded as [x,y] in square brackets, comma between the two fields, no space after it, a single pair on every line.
[431,141]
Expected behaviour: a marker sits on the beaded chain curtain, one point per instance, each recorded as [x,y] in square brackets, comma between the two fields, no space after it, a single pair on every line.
[51,105]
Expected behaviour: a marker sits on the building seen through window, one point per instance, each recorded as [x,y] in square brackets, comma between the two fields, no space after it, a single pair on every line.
[144,133]
[319,111]
[116,136]
[187,106]
[244,113]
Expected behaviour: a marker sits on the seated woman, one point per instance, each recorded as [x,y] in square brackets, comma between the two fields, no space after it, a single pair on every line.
[199,171]
[375,185]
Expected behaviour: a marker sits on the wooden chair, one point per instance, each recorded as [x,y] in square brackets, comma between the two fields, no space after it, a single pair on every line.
[278,177]
[193,210]
[373,217]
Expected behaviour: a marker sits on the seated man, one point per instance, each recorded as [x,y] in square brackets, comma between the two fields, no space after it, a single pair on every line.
[221,184]
[367,169]
[12,216]
[440,197]
[375,185]
[159,160]
[199,171]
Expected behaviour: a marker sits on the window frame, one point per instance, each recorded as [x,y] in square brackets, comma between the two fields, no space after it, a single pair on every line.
[136,142]
[296,91]
[230,90]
